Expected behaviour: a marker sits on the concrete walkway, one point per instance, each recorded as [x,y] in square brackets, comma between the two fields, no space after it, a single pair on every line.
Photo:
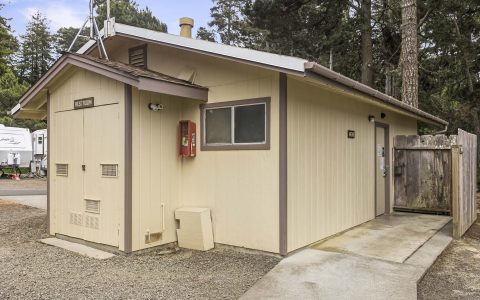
[28,192]
[77,248]
[381,259]
[38,201]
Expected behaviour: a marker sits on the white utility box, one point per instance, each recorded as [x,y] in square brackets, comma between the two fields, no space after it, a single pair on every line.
[195,230]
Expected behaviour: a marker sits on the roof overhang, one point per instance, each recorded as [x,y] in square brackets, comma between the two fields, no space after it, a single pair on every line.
[25,110]
[334,79]
[281,63]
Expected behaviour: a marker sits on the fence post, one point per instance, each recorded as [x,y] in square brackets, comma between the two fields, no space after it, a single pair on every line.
[456,210]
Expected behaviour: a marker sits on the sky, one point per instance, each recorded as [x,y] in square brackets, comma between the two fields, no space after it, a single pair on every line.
[65,13]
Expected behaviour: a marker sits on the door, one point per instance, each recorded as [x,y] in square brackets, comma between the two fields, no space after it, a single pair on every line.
[88,195]
[381,170]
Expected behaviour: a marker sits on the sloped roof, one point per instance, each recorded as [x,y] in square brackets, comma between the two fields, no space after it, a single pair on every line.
[137,72]
[143,79]
[286,64]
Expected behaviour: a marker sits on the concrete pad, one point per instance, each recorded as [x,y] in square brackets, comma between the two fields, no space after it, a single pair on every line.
[313,274]
[369,273]
[78,248]
[28,192]
[38,201]
[392,237]
[426,255]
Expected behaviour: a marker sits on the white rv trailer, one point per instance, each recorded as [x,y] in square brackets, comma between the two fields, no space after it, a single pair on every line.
[39,158]
[15,147]
[20,148]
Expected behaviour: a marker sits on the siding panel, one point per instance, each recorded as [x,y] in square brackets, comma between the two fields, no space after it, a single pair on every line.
[330,179]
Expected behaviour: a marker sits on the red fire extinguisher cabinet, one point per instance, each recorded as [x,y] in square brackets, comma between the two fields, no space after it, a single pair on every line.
[187,139]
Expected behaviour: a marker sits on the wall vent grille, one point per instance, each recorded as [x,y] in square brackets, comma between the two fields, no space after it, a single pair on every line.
[138,56]
[153,237]
[62,169]
[92,206]
[76,219]
[91,222]
[109,170]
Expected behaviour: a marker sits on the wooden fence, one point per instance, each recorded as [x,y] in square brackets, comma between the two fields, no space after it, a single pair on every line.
[464,205]
[437,174]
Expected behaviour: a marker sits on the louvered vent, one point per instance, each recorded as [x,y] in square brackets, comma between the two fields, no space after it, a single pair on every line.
[92,206]
[138,56]
[92,222]
[62,170]
[109,170]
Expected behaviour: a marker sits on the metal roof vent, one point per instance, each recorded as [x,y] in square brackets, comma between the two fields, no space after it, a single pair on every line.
[186,25]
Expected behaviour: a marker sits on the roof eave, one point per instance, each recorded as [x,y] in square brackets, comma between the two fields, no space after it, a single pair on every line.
[318,72]
[142,83]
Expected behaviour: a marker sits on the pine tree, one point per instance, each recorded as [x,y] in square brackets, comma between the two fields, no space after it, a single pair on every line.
[64,37]
[227,20]
[36,49]
[205,34]
[409,54]
[8,44]
[128,12]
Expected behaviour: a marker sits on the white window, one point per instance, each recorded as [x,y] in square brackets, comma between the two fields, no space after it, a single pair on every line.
[239,125]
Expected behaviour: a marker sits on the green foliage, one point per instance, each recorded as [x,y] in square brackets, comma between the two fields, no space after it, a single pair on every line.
[65,36]
[35,50]
[10,91]
[227,20]
[8,43]
[205,34]
[128,12]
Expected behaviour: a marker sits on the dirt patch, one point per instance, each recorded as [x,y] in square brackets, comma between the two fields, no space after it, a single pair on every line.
[33,270]
[456,274]
[24,184]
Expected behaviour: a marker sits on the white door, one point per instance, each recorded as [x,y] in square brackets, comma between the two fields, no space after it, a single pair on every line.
[381,170]
[89,198]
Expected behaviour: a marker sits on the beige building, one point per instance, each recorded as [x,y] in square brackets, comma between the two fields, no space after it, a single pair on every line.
[287,151]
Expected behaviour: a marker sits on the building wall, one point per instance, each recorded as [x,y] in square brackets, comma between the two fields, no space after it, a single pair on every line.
[330,177]
[240,187]
[66,146]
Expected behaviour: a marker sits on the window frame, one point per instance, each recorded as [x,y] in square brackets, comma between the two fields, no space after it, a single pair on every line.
[235,146]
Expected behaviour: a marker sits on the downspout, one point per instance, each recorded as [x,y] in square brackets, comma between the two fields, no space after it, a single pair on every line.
[442,131]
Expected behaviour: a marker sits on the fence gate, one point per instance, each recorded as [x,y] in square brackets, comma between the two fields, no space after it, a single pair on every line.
[437,174]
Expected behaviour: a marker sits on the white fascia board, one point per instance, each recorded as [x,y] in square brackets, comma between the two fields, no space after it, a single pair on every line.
[258,57]
[91,43]
[15,109]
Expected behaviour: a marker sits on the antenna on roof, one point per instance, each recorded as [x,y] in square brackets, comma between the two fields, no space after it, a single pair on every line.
[94,32]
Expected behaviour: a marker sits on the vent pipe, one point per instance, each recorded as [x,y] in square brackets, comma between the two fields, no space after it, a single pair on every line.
[186,25]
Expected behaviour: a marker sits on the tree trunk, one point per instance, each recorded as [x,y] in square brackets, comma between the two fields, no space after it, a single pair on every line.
[367,45]
[409,53]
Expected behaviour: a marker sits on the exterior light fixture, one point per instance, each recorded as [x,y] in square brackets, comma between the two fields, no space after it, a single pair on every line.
[371,119]
[383,115]
[155,106]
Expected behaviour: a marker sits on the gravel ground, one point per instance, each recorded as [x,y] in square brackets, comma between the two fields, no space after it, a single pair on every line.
[31,270]
[24,184]
[456,274]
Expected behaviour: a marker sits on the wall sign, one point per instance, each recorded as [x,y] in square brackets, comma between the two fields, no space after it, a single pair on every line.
[83,103]
[351,134]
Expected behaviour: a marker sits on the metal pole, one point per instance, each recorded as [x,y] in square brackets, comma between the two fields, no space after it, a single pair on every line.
[78,34]
[101,47]
[108,10]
